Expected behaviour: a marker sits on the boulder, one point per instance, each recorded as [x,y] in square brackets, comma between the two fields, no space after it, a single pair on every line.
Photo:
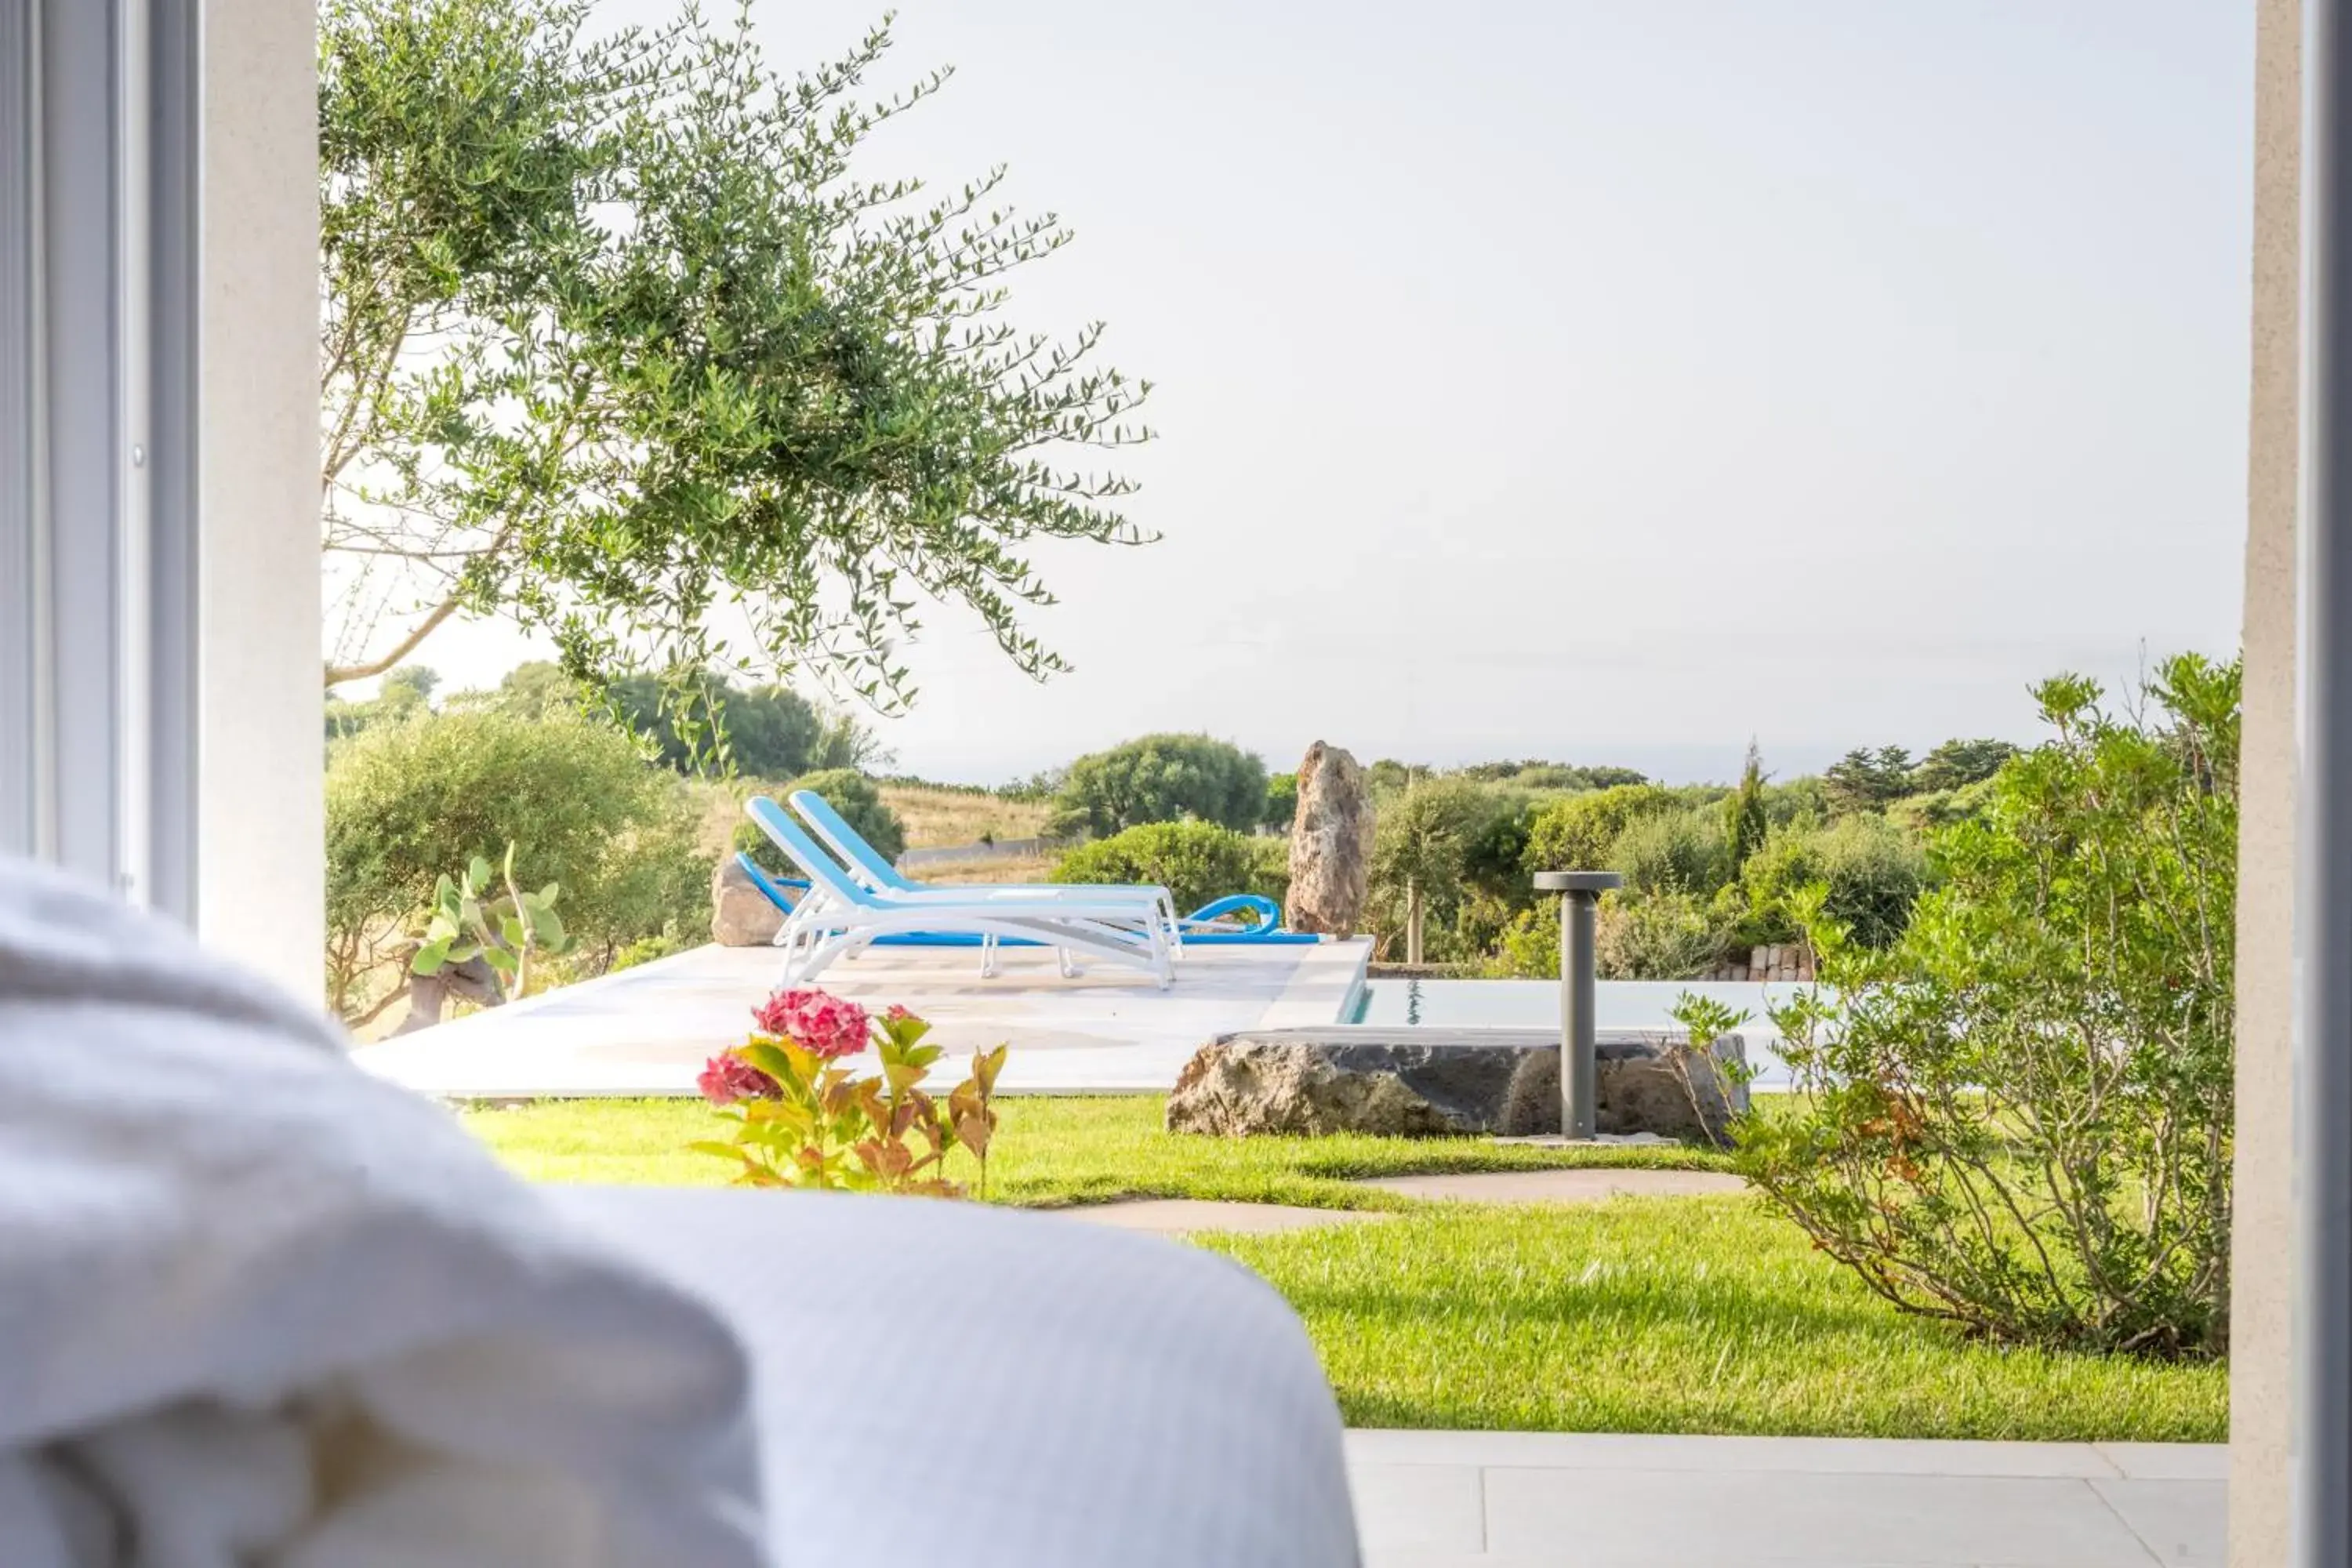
[1386,1081]
[1330,844]
[741,915]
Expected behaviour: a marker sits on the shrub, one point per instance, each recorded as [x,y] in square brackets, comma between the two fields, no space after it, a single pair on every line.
[1636,936]
[1161,778]
[1922,813]
[1673,852]
[860,802]
[406,800]
[1577,834]
[1657,936]
[1872,871]
[1195,861]
[2017,1119]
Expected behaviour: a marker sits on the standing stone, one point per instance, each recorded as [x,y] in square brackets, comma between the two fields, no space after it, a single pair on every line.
[1330,844]
[741,915]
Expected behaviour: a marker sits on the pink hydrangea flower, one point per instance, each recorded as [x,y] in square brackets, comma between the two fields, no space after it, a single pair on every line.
[817,1021]
[728,1077]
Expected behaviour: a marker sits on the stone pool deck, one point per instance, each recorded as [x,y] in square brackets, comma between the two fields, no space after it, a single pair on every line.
[1546,1499]
[647,1031]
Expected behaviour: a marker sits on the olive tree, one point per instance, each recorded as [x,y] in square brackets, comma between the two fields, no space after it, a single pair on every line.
[615,343]
[1161,778]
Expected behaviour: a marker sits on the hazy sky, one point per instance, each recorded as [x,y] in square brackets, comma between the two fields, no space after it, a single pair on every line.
[1601,380]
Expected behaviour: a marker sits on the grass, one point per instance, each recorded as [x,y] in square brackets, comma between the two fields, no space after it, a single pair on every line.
[1676,1315]
[947,817]
[1050,1151]
[1637,1315]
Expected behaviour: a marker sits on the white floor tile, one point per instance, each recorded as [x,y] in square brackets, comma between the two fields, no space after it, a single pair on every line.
[1661,1519]
[1418,1508]
[2185,1523]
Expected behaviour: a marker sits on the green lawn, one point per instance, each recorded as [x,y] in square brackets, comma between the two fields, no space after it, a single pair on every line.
[1676,1315]
[1049,1151]
[1637,1315]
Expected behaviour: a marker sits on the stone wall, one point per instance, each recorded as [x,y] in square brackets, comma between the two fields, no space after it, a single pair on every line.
[1790,961]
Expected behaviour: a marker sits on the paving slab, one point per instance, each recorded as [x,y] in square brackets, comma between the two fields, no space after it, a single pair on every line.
[1182,1217]
[1643,1519]
[1556,1499]
[1570,1186]
[2181,1521]
[647,1031]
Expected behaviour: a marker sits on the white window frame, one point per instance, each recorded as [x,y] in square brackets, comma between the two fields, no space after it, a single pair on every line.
[98,586]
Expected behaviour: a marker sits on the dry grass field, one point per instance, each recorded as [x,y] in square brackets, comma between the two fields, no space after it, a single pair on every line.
[943,817]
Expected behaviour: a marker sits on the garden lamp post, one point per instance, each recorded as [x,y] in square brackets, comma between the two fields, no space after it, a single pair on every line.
[1580,892]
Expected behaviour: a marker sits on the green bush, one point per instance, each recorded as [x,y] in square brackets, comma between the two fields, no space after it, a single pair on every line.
[405,801]
[1673,852]
[1161,778]
[860,802]
[1636,936]
[1656,936]
[1195,861]
[1578,833]
[2018,1119]
[1872,871]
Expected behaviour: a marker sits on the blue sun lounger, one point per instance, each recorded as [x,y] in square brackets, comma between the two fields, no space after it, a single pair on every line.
[1210,924]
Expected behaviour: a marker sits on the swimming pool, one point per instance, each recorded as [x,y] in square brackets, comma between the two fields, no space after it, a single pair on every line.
[1535,1005]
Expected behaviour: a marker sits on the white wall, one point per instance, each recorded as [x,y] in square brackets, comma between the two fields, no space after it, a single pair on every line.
[262,858]
[2264,1240]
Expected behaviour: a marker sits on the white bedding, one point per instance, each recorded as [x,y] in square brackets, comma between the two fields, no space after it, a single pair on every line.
[997,1389]
[256,1307]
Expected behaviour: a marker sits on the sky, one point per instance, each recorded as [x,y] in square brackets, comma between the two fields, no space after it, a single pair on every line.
[1598,382]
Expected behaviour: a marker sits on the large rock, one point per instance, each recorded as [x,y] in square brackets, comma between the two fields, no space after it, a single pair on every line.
[1387,1081]
[741,915]
[1330,843]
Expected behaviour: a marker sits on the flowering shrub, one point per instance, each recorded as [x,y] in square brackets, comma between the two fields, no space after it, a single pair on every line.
[802,1120]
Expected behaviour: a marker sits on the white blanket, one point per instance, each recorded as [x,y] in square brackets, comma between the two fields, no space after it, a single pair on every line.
[258,1308]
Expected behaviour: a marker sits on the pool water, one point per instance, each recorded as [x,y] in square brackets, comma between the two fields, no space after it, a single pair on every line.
[1535,1005]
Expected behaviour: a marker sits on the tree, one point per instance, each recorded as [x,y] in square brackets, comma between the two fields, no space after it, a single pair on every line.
[422,679]
[403,694]
[1955,764]
[613,340]
[1161,778]
[1282,802]
[1864,780]
[771,731]
[1418,850]
[1745,820]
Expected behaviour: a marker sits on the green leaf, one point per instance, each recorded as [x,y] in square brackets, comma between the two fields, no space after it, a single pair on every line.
[430,958]
[499,959]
